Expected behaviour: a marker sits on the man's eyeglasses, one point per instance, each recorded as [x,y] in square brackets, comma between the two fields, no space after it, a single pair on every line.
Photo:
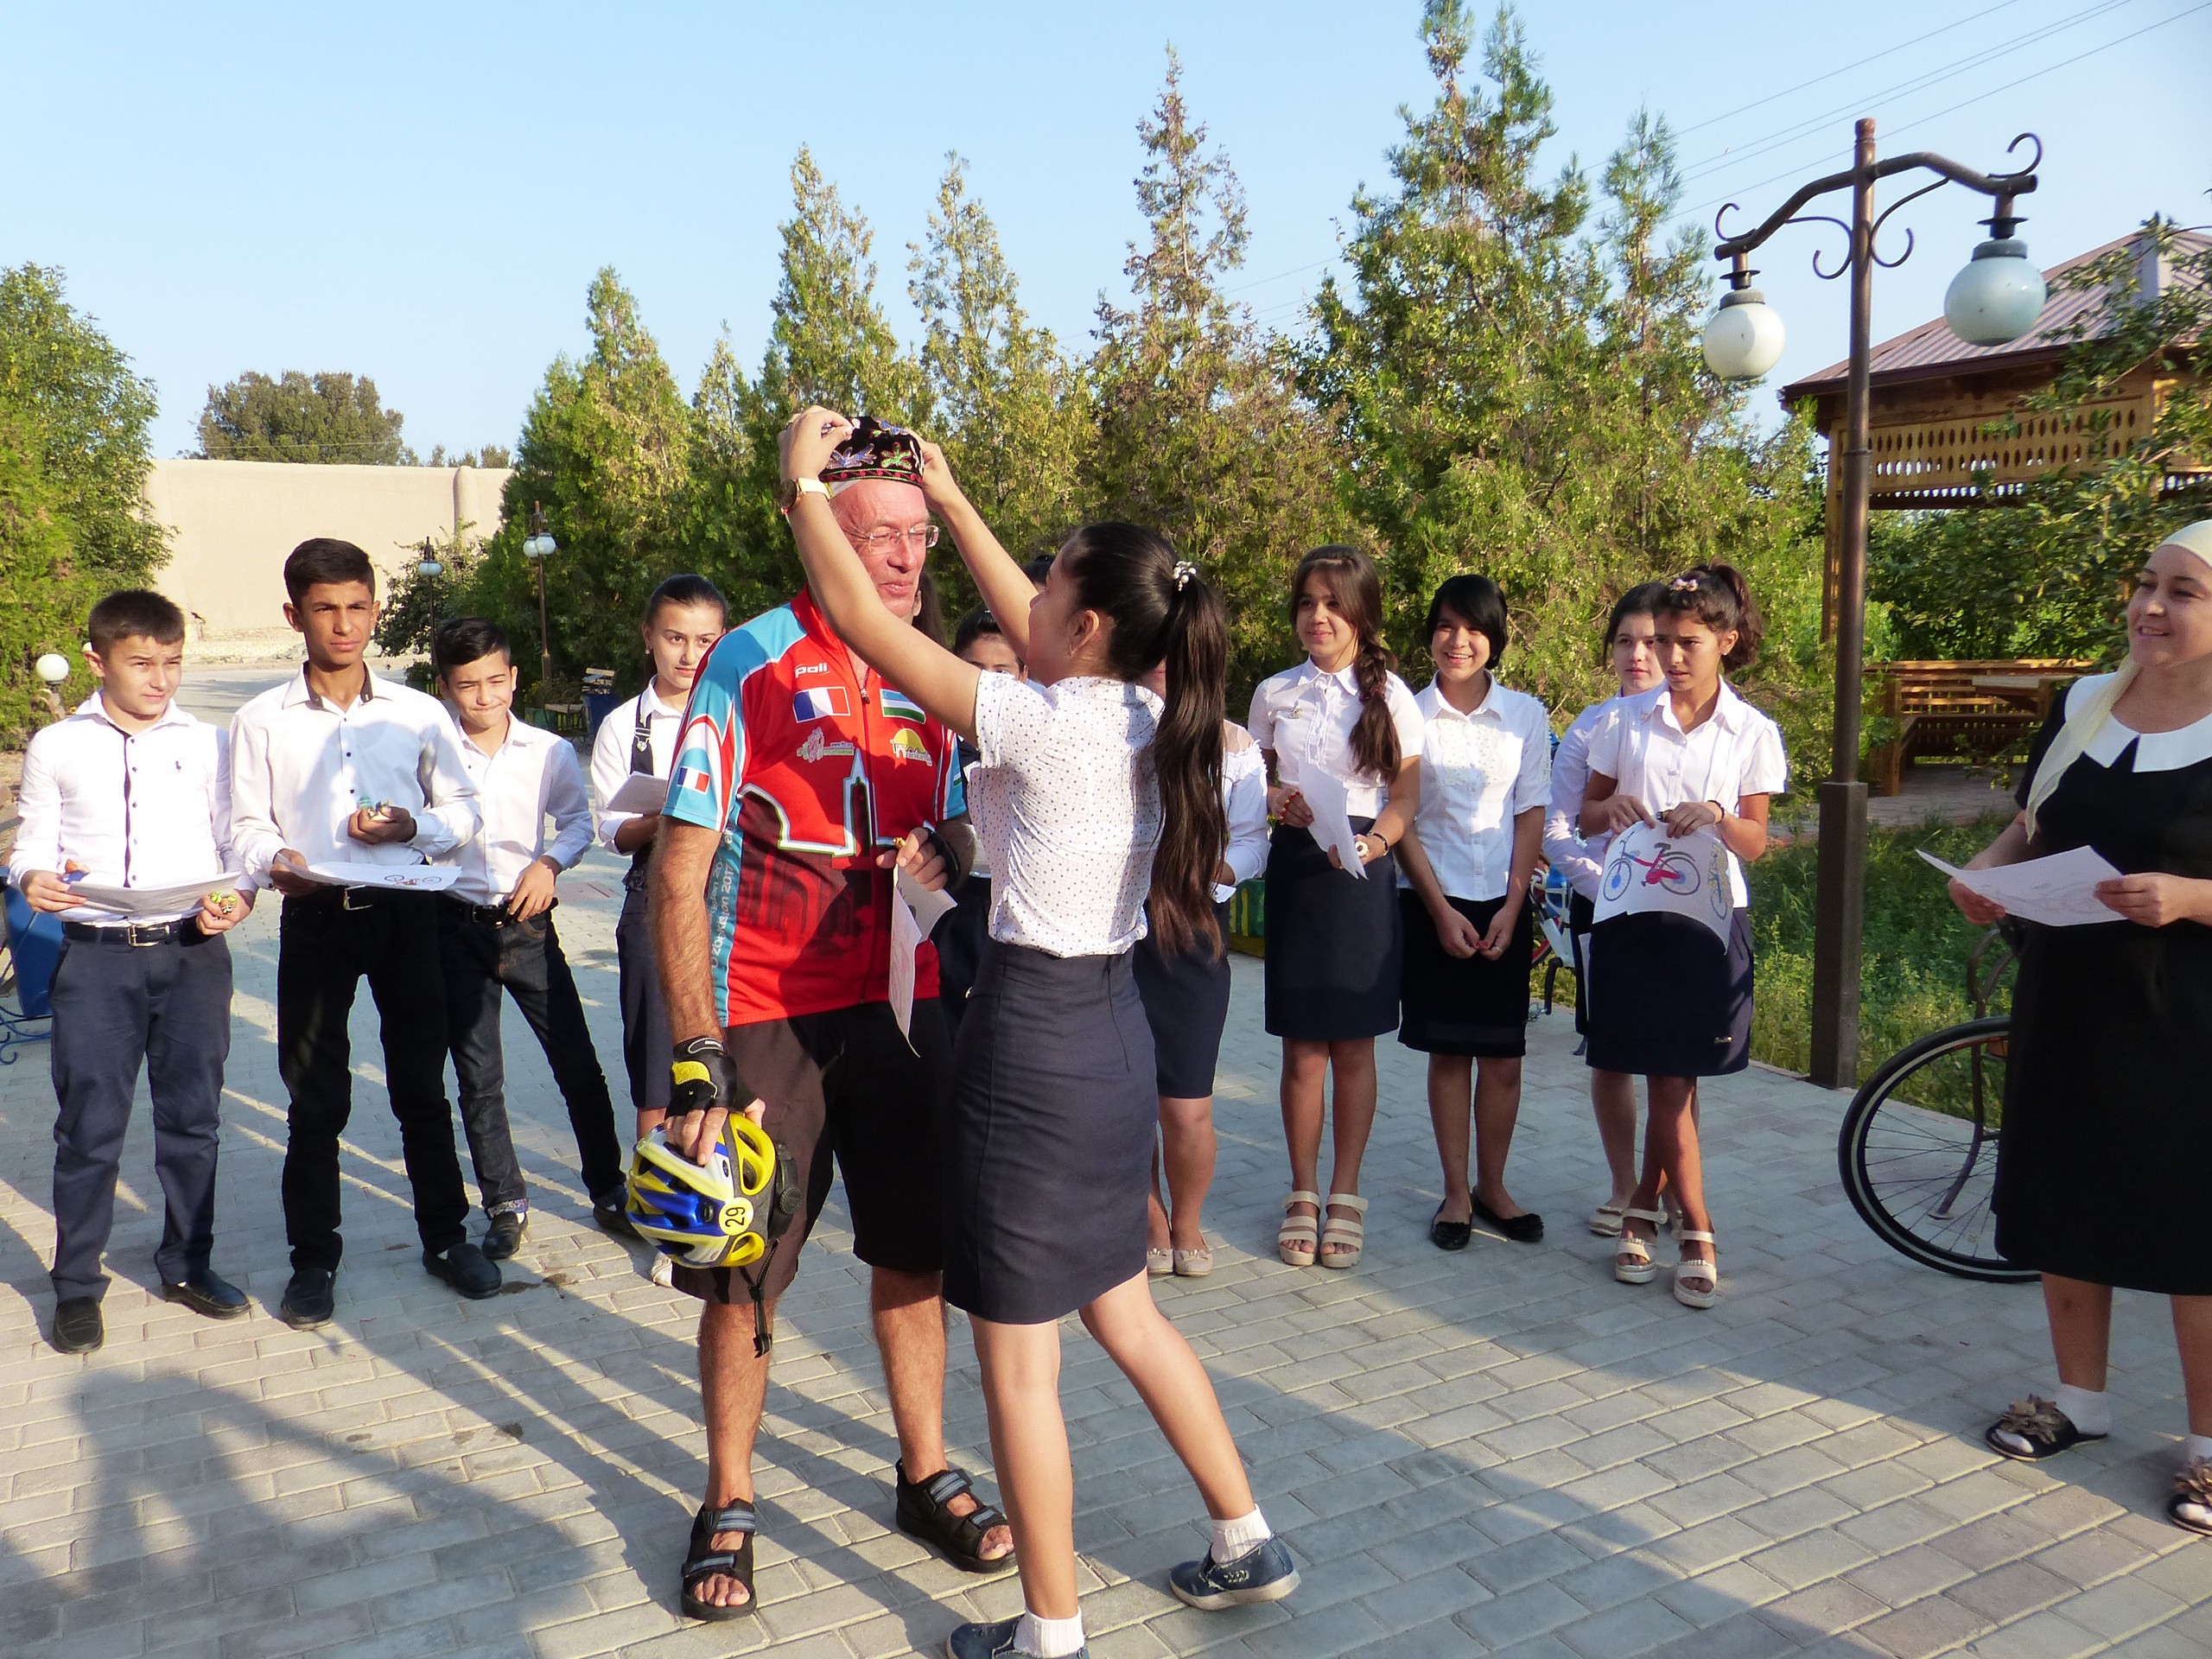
[921,538]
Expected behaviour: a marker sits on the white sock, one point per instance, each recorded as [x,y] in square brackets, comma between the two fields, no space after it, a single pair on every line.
[2090,1410]
[1239,1538]
[1048,1638]
[2194,1447]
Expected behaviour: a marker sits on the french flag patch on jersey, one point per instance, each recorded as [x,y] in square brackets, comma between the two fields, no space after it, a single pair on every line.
[821,702]
[692,778]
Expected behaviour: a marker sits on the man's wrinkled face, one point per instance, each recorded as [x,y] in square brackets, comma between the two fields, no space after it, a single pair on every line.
[888,524]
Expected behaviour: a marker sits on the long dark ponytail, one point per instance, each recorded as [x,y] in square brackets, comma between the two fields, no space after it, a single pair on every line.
[1355,590]
[1164,611]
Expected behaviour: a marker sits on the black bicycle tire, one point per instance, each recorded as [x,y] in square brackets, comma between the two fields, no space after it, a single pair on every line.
[1851,1151]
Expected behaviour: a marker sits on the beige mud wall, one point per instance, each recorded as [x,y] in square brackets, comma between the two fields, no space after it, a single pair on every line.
[231,524]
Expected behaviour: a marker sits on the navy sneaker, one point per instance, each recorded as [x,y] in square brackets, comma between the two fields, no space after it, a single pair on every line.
[1264,1573]
[990,1641]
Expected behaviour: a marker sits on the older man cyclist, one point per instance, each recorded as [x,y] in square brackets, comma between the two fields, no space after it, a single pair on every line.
[801,780]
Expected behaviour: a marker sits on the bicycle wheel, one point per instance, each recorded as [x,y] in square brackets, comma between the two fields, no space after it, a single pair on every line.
[1918,1151]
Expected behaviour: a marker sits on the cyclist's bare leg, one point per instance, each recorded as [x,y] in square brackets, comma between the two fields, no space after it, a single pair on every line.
[1497,1109]
[1450,1108]
[2081,1330]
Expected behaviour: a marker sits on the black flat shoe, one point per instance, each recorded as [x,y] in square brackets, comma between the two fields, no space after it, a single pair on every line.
[504,1235]
[466,1269]
[610,1210]
[209,1296]
[309,1300]
[78,1327]
[1448,1234]
[1525,1229]
[2033,1429]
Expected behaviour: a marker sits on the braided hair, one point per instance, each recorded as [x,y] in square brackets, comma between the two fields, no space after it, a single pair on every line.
[1355,592]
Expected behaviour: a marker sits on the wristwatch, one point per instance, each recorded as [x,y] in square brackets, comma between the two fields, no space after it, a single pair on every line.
[788,492]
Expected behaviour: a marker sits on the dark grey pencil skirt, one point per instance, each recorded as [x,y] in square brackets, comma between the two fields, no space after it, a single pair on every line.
[1049,1138]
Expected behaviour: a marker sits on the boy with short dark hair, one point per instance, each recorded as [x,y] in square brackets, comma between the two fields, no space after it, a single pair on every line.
[132,792]
[337,768]
[495,930]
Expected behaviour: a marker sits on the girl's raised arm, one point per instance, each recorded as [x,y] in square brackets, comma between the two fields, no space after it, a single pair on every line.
[1004,585]
[918,665]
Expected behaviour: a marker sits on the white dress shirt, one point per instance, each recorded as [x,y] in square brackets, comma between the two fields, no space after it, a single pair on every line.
[301,766]
[1244,796]
[531,776]
[1478,772]
[1066,803]
[148,808]
[1736,751]
[1582,861]
[1305,717]
[610,752]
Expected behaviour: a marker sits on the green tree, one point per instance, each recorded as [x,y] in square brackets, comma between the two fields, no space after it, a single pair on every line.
[332,418]
[1200,429]
[86,416]
[408,619]
[1013,414]
[736,535]
[606,451]
[47,591]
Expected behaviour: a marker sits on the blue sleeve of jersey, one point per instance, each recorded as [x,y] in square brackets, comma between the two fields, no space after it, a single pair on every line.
[709,768]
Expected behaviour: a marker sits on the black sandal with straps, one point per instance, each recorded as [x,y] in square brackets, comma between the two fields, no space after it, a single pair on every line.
[2033,1429]
[923,1514]
[702,1561]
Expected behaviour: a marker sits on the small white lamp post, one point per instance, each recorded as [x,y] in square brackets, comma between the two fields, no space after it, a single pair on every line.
[537,547]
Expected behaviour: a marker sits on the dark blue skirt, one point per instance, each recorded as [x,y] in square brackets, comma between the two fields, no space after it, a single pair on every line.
[1668,999]
[1048,1156]
[1186,1004]
[1334,945]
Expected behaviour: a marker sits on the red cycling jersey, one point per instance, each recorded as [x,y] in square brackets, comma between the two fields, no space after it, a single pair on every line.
[810,766]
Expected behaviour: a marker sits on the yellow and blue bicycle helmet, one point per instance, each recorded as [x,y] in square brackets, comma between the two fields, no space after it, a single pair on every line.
[717,1214]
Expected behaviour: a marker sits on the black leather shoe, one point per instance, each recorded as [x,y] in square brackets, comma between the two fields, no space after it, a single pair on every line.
[78,1327]
[504,1235]
[466,1269]
[310,1298]
[1527,1228]
[1448,1234]
[205,1293]
[610,1210]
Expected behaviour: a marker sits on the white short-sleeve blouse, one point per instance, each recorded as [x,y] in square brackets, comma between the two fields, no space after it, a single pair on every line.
[1305,716]
[1478,772]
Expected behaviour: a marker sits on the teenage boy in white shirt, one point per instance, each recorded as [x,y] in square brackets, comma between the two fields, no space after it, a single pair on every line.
[495,931]
[335,768]
[132,792]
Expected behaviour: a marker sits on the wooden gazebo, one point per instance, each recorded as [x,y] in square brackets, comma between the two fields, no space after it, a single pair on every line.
[1935,397]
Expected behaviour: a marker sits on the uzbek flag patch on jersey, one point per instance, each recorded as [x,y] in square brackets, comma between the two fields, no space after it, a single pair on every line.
[903,706]
[821,702]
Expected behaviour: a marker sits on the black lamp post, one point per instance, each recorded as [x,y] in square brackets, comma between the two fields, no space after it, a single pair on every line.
[539,546]
[430,567]
[1995,299]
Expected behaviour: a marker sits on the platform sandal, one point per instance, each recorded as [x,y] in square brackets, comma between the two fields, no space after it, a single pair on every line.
[924,1512]
[702,1562]
[1606,1220]
[2033,1429]
[1299,1237]
[1337,1232]
[1696,1283]
[1632,1262]
[2191,1504]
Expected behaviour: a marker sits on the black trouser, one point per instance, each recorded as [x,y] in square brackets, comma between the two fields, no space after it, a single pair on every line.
[117,1006]
[482,949]
[329,944]
[645,1016]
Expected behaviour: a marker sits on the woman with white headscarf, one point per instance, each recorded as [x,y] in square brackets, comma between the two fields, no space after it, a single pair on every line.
[2106,1149]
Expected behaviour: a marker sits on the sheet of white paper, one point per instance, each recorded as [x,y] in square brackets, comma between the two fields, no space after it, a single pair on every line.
[2057,890]
[1331,818]
[408,878]
[152,901]
[914,912]
[1648,871]
[640,792]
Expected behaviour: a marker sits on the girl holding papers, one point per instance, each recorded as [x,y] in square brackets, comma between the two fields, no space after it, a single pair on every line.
[1342,738]
[1669,997]
[2106,1141]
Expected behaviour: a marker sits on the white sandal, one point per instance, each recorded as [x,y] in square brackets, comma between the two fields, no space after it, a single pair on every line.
[1298,1239]
[1607,1220]
[1335,1231]
[1696,1283]
[1632,1262]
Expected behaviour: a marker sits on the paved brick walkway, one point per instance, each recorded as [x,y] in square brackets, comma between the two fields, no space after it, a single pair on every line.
[1496,1451]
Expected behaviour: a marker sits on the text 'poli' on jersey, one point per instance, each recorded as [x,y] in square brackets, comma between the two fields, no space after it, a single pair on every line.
[821,702]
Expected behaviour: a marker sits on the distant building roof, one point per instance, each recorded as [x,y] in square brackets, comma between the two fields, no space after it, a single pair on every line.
[1932,350]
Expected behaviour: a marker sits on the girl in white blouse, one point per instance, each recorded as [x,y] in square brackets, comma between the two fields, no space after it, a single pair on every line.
[1092,795]
[1340,721]
[1464,874]
[1668,999]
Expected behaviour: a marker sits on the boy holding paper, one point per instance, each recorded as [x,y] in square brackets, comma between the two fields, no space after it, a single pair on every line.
[339,771]
[132,793]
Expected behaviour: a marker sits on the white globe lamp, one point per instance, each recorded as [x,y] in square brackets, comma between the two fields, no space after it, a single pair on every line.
[1999,295]
[52,668]
[1745,336]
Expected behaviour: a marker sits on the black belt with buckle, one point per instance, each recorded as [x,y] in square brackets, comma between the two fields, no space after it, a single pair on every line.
[490,915]
[344,898]
[135,933]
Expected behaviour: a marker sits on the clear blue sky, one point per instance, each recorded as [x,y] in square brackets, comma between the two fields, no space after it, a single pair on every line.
[422,193]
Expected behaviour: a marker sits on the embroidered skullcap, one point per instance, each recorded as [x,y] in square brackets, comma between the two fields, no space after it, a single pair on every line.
[874,449]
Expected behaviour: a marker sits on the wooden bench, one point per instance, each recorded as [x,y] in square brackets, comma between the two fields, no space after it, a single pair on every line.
[1982,710]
